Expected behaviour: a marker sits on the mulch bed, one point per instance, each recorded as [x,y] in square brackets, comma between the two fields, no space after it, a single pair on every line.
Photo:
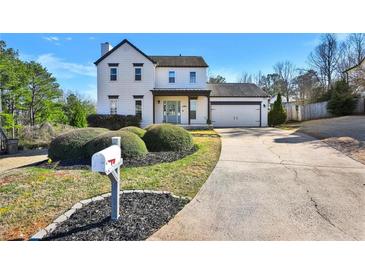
[142,214]
[151,158]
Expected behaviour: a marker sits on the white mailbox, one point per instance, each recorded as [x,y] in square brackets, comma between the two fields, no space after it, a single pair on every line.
[107,160]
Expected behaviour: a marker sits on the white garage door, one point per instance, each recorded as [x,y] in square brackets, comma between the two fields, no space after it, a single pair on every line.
[236,114]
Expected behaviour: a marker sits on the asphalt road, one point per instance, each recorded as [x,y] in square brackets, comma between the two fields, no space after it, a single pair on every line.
[272,184]
[345,126]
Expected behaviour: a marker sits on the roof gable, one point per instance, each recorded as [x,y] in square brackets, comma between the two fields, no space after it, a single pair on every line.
[359,64]
[125,41]
[161,61]
[180,61]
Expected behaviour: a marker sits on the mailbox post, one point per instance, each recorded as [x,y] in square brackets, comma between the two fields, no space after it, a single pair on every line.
[108,162]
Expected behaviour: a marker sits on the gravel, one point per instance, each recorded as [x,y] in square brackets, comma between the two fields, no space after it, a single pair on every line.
[141,214]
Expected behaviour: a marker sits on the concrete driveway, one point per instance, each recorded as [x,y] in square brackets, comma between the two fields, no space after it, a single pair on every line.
[23,158]
[272,184]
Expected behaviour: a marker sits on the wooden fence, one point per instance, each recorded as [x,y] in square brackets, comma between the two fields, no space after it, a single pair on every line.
[306,112]
[316,110]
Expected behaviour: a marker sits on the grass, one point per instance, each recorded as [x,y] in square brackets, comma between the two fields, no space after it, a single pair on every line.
[31,198]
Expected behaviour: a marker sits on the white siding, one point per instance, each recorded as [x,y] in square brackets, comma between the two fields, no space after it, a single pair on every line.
[264,105]
[126,86]
[182,78]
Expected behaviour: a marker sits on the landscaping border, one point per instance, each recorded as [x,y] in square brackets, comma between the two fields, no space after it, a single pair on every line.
[65,216]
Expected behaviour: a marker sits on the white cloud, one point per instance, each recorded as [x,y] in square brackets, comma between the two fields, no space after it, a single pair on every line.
[92,38]
[63,69]
[51,38]
[68,38]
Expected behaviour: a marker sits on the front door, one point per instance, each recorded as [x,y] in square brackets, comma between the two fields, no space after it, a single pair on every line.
[172,112]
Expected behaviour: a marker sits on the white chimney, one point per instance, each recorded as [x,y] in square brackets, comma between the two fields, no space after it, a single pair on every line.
[105,47]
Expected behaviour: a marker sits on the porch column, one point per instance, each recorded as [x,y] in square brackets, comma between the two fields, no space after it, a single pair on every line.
[189,110]
[153,107]
[208,121]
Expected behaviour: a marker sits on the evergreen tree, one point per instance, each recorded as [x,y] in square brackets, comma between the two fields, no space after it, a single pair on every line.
[277,114]
[342,101]
[42,93]
[79,116]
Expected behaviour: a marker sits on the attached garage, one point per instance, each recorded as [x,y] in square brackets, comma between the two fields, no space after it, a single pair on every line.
[238,105]
[236,114]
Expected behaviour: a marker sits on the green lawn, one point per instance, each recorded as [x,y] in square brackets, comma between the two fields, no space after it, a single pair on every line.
[30,198]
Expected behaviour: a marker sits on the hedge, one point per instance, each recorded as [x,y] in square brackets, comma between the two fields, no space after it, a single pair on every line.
[131,144]
[167,137]
[136,130]
[113,122]
[71,145]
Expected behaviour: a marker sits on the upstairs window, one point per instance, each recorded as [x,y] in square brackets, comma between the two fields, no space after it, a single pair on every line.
[171,76]
[192,77]
[138,74]
[113,74]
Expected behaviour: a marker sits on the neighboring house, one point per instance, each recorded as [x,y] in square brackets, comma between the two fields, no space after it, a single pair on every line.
[355,76]
[173,89]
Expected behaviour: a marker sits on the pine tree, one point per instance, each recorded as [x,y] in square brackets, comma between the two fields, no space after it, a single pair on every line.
[277,114]
[342,101]
[79,116]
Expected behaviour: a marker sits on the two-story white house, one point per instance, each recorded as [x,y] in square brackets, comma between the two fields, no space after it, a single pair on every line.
[172,89]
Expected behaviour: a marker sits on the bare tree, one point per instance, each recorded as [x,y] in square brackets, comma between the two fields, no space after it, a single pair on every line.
[286,72]
[352,51]
[357,42]
[324,59]
[245,78]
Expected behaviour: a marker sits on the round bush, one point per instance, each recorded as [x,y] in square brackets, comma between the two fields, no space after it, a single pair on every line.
[167,137]
[131,144]
[136,130]
[71,145]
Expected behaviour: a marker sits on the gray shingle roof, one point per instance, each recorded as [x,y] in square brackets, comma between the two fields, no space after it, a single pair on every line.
[236,90]
[179,61]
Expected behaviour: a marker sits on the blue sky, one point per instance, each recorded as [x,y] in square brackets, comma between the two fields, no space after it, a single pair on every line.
[70,57]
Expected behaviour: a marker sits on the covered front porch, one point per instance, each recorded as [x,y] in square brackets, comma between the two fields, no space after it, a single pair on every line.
[188,108]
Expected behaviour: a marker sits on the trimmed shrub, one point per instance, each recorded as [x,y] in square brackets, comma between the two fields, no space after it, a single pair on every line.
[167,137]
[131,145]
[113,122]
[343,101]
[277,114]
[71,145]
[136,130]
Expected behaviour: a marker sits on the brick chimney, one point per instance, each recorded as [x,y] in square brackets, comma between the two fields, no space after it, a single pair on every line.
[105,47]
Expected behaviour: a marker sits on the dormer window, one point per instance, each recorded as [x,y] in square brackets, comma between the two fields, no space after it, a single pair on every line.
[171,76]
[192,77]
[113,74]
